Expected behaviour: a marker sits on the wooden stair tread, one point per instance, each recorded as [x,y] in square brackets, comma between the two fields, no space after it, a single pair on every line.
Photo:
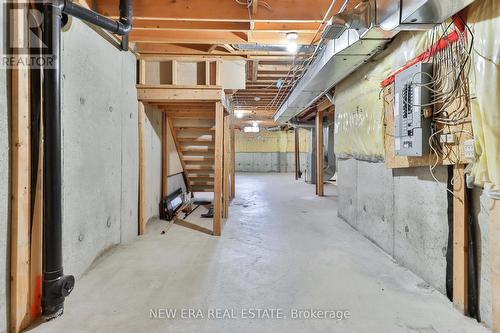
[195,129]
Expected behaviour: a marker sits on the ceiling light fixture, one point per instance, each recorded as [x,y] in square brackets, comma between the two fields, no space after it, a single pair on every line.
[255,124]
[239,115]
[292,46]
[256,98]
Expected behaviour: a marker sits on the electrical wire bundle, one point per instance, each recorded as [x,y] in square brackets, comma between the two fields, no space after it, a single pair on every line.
[449,87]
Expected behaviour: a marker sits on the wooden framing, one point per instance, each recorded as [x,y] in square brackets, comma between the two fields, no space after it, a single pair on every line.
[164,93]
[20,183]
[164,155]
[319,154]
[296,150]
[233,160]
[219,147]
[227,157]
[142,170]
[460,240]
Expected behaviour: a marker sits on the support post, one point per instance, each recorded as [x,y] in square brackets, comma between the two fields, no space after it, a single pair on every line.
[233,163]
[319,154]
[226,166]
[460,240]
[219,147]
[164,155]
[296,135]
[142,171]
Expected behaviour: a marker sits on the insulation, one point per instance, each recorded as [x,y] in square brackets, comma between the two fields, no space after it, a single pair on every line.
[484,19]
[359,113]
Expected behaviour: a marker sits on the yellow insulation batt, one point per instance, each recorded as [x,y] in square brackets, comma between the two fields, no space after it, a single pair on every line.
[359,113]
[484,19]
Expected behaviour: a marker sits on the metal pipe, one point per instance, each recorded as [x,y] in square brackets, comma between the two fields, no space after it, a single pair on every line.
[121,27]
[56,285]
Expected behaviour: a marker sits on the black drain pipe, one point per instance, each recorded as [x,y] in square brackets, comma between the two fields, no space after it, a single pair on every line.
[56,285]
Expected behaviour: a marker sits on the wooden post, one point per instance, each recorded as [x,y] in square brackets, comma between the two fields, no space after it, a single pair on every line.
[219,147]
[20,180]
[460,240]
[233,163]
[226,166]
[142,71]
[142,171]
[319,154]
[296,134]
[164,155]
[494,240]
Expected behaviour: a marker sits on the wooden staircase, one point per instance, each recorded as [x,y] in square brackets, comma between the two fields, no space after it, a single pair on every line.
[195,143]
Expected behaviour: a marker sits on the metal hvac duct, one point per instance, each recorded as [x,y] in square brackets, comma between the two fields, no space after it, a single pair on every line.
[357,35]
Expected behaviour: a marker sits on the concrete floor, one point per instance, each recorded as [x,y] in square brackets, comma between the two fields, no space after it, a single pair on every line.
[282,248]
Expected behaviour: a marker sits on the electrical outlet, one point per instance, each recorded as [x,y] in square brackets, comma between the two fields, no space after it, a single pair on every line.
[469,149]
[442,138]
[450,138]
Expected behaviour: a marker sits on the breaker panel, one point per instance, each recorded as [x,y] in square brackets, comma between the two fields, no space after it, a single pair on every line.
[411,96]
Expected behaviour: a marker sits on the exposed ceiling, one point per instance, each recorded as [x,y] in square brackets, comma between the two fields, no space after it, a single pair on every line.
[221,28]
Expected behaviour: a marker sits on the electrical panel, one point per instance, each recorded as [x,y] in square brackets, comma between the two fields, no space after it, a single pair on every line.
[412,95]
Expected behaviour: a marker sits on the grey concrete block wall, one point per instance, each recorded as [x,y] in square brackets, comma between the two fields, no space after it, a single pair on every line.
[4,180]
[152,142]
[100,176]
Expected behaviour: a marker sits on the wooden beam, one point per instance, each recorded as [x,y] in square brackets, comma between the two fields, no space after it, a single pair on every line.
[175,94]
[319,154]
[215,37]
[142,169]
[219,147]
[200,10]
[20,181]
[460,240]
[255,68]
[494,253]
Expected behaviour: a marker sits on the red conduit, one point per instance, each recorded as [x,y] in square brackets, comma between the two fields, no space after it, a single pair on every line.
[442,43]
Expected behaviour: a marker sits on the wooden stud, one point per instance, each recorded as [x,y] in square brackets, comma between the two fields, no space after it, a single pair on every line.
[494,240]
[319,154]
[226,166]
[20,182]
[142,71]
[460,240]
[233,163]
[142,170]
[296,135]
[219,146]
[164,155]
[175,78]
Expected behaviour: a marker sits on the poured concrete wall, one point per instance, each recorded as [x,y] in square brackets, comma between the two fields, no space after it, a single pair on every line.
[404,211]
[270,151]
[4,180]
[100,146]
